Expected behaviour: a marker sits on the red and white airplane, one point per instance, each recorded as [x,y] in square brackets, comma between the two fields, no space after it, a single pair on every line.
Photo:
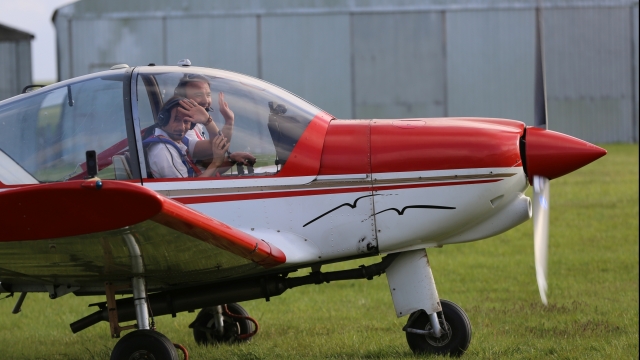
[323,190]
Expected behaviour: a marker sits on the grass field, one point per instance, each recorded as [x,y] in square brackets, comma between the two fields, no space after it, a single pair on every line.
[593,294]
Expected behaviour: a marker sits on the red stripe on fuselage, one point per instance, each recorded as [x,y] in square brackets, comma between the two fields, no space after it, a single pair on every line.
[328,191]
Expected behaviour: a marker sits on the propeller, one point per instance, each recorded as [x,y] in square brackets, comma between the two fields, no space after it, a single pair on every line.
[540,183]
[548,155]
[541,231]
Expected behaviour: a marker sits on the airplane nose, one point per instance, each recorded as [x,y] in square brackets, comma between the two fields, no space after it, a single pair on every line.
[552,154]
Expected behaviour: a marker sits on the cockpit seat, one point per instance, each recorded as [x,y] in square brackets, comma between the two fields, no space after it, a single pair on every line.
[121,167]
[284,130]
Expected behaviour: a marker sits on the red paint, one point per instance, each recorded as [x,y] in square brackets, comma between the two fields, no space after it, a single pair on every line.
[328,191]
[3,186]
[448,183]
[552,154]
[68,209]
[408,124]
[346,148]
[444,144]
[305,157]
[73,208]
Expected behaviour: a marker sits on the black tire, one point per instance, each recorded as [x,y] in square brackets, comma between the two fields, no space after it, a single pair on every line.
[204,331]
[455,339]
[144,345]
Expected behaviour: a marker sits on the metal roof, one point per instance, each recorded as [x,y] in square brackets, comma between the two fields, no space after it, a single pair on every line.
[11,34]
[164,8]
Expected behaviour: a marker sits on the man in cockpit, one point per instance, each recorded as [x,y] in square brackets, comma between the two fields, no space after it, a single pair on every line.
[197,88]
[167,148]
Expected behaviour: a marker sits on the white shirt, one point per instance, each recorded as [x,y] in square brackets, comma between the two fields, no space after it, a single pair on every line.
[164,159]
[197,133]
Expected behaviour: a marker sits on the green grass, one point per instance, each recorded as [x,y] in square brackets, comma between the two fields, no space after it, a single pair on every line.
[593,294]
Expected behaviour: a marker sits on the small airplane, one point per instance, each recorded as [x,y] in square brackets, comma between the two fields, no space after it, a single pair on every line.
[83,213]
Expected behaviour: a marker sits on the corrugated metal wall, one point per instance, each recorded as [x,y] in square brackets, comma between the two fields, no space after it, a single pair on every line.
[310,56]
[387,59]
[208,42]
[394,77]
[15,67]
[490,63]
[589,72]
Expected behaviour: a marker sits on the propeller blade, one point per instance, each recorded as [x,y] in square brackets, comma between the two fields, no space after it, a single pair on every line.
[540,104]
[541,231]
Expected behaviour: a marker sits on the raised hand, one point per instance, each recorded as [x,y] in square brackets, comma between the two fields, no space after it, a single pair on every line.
[226,112]
[191,109]
[219,148]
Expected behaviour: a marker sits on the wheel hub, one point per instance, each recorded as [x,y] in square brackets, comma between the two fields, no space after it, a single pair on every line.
[444,337]
[142,355]
[230,330]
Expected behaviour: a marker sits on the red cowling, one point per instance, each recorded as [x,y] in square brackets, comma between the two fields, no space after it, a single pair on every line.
[552,154]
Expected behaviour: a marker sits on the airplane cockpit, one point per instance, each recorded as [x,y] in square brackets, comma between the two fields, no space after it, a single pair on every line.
[44,134]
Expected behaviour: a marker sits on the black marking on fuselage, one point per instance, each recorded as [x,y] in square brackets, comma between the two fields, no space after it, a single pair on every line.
[355,203]
[401,212]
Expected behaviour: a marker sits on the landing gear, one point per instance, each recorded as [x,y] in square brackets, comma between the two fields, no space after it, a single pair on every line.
[144,344]
[223,324]
[440,326]
[455,331]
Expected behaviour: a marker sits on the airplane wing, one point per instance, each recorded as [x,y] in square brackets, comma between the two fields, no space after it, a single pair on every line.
[74,233]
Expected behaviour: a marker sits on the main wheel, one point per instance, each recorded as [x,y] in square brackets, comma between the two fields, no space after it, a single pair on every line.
[456,331]
[204,326]
[144,345]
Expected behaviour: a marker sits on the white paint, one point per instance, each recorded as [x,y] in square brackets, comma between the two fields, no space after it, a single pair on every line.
[297,249]
[411,284]
[421,227]
[13,174]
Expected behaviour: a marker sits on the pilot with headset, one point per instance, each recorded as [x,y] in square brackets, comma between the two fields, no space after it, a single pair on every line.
[197,89]
[167,149]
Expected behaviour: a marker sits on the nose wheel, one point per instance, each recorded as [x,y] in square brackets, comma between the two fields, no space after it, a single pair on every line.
[455,331]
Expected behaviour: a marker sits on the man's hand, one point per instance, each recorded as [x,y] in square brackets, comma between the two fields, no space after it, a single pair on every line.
[219,147]
[197,113]
[226,112]
[243,158]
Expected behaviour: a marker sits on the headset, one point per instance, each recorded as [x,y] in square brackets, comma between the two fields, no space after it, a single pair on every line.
[164,116]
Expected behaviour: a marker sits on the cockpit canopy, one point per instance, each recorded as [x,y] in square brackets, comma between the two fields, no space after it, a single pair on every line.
[44,134]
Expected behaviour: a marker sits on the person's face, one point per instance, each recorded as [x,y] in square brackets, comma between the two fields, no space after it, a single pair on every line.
[199,92]
[177,126]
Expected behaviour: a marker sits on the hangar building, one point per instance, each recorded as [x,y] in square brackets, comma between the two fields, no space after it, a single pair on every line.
[15,61]
[385,58]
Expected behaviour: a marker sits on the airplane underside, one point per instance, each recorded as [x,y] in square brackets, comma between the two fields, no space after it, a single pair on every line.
[364,218]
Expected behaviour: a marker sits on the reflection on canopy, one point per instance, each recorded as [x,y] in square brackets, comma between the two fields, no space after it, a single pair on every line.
[268,120]
[44,134]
